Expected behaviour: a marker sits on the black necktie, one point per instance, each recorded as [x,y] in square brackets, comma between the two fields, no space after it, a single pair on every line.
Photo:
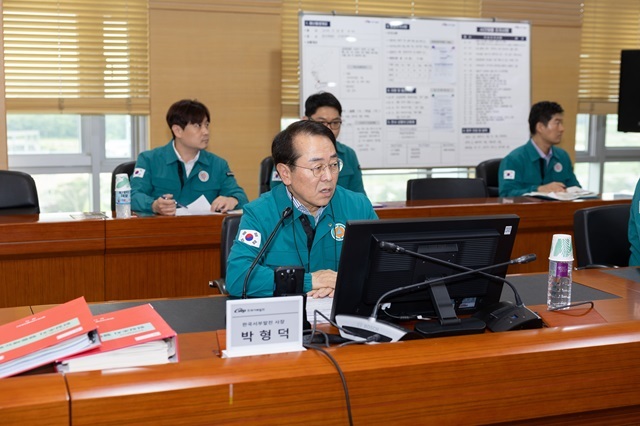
[180,173]
[311,233]
[543,166]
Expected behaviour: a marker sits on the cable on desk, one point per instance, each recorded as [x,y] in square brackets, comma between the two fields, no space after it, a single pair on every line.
[573,305]
[344,380]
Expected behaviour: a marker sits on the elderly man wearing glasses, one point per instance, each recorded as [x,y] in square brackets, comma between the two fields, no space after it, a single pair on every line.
[315,211]
[325,108]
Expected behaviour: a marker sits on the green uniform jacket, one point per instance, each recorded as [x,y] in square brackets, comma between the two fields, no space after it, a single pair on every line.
[289,246]
[634,228]
[156,174]
[520,170]
[350,176]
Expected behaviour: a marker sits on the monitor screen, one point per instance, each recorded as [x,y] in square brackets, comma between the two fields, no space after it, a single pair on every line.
[366,271]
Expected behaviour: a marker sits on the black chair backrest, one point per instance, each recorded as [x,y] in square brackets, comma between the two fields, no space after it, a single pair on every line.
[266,167]
[127,168]
[230,225]
[488,171]
[18,193]
[439,188]
[600,235]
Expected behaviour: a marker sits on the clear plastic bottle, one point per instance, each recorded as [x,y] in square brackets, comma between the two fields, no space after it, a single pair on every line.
[559,284]
[123,196]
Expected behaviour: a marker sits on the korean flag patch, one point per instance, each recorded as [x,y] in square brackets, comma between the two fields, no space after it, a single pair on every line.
[250,237]
[509,174]
[138,172]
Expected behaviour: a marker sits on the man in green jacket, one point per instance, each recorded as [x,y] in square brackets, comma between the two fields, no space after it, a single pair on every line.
[183,170]
[311,237]
[539,165]
[325,108]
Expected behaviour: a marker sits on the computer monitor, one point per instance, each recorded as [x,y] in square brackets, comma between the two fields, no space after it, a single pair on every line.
[366,271]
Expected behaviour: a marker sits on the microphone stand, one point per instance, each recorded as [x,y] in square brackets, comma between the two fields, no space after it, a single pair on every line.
[449,323]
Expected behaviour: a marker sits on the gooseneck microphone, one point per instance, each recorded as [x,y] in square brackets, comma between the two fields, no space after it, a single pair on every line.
[394,248]
[499,317]
[285,214]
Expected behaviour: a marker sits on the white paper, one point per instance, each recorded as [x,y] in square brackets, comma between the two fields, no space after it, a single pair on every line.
[572,193]
[201,207]
[321,304]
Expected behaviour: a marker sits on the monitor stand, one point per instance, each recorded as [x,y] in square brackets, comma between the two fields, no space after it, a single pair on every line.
[448,322]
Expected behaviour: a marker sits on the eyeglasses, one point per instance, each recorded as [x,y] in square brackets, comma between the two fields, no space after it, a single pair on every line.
[333,125]
[318,170]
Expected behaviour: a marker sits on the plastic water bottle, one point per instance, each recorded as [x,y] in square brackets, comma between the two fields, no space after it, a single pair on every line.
[123,196]
[560,267]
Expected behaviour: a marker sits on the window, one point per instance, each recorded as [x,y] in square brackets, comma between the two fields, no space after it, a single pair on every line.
[71,156]
[77,92]
[607,161]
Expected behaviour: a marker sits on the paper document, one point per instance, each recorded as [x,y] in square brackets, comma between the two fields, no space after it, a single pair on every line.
[572,193]
[322,304]
[200,207]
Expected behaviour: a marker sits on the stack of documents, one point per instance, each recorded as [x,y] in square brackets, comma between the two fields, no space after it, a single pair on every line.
[42,338]
[132,337]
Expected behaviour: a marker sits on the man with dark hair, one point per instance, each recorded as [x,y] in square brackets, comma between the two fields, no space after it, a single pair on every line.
[325,108]
[539,165]
[311,237]
[182,171]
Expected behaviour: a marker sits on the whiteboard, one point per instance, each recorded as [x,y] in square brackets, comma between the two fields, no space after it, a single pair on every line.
[421,92]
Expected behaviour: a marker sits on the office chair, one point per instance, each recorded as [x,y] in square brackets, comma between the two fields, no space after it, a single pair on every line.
[600,234]
[488,171]
[439,188]
[266,167]
[18,193]
[127,168]
[230,225]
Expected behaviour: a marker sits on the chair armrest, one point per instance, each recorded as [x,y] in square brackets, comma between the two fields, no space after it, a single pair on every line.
[221,284]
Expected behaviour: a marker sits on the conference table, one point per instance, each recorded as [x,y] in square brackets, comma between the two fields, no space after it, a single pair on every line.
[53,258]
[581,370]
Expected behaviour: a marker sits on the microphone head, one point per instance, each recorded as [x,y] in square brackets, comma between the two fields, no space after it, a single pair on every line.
[287,212]
[525,259]
[386,246]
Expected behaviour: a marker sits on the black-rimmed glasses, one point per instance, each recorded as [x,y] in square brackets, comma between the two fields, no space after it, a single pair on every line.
[333,125]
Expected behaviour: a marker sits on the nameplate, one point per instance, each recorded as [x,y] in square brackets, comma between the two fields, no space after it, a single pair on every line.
[262,326]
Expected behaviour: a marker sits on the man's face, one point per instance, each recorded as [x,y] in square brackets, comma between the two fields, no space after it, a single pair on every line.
[552,132]
[313,192]
[194,136]
[328,116]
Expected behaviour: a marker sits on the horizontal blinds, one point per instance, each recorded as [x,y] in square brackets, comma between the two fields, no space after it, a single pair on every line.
[83,56]
[608,28]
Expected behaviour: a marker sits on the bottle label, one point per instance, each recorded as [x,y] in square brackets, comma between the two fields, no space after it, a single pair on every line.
[123,197]
[562,269]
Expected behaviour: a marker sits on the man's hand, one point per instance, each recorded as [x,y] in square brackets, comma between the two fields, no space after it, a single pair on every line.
[223,204]
[552,187]
[323,283]
[165,205]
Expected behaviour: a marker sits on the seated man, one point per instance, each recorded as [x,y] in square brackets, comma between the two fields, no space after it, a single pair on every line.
[306,159]
[324,108]
[539,165]
[181,171]
[634,228]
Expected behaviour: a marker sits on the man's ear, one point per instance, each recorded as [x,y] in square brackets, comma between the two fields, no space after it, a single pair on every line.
[177,130]
[285,173]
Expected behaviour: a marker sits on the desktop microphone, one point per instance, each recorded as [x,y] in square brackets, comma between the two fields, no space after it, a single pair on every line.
[285,214]
[450,324]
[502,316]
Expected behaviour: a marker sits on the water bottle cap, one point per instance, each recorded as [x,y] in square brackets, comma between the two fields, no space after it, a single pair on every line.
[561,248]
[122,182]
